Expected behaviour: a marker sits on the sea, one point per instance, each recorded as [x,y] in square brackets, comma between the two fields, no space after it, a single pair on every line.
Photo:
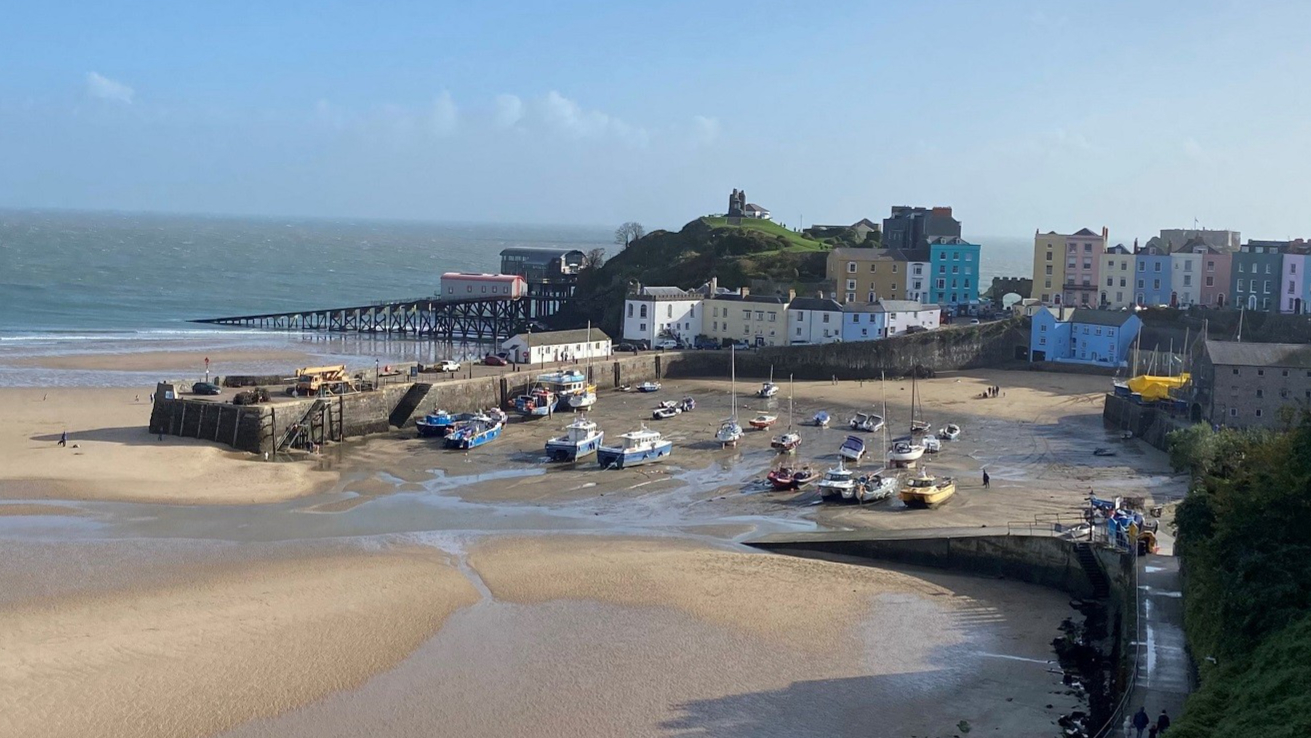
[111,283]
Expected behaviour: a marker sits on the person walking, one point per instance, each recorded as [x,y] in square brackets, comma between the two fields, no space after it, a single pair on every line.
[63,439]
[987,480]
[1140,721]
[1162,723]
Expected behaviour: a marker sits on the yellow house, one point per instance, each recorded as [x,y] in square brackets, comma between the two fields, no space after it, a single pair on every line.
[867,275]
[759,320]
[1048,267]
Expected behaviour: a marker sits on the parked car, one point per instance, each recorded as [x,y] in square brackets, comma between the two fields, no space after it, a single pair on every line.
[666,344]
[707,343]
[627,347]
[971,321]
[448,366]
[741,345]
[205,388]
[494,360]
[916,329]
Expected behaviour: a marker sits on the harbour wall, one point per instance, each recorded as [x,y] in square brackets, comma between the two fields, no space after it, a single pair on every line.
[1151,424]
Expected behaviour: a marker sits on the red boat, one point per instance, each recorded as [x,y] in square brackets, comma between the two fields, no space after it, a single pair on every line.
[784,479]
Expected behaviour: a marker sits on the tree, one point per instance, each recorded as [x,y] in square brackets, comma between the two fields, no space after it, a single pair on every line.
[594,258]
[628,233]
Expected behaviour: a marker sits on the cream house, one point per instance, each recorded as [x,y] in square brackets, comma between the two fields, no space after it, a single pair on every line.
[759,320]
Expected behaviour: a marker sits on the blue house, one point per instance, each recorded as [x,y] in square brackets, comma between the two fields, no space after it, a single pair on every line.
[954,268]
[1256,273]
[863,322]
[1082,336]
[1152,276]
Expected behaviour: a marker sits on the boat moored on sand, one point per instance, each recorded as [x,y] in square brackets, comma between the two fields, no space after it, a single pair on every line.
[635,448]
[949,432]
[821,419]
[763,421]
[581,438]
[868,422]
[479,431]
[927,491]
[853,448]
[837,482]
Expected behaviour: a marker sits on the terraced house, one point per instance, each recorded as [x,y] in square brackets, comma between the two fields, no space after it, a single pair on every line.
[1117,278]
[954,279]
[759,320]
[867,275]
[1257,269]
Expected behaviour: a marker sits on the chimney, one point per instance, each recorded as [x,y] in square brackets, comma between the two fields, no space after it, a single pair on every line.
[1104,233]
[819,294]
[792,295]
[743,291]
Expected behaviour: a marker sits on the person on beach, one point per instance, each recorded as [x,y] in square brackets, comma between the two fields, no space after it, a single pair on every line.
[63,439]
[987,480]
[1162,723]
[1140,721]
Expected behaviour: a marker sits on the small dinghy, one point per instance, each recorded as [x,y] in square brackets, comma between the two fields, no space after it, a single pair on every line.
[853,448]
[821,419]
[763,421]
[949,432]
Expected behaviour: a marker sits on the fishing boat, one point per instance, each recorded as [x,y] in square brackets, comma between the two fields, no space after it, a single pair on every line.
[730,431]
[495,414]
[789,441]
[927,490]
[836,481]
[665,412]
[768,389]
[585,398]
[868,422]
[852,448]
[635,448]
[821,419]
[581,438]
[648,387]
[474,433]
[564,385]
[949,432]
[905,451]
[436,424]
[763,421]
[538,403]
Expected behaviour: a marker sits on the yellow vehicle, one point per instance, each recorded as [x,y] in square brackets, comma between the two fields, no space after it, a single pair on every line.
[322,380]
[927,490]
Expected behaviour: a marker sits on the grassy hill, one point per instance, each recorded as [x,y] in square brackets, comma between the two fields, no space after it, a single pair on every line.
[733,252]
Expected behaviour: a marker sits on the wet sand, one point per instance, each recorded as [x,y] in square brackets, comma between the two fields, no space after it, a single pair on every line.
[222,362]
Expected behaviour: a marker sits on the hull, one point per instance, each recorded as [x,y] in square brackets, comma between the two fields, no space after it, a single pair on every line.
[465,442]
[581,402]
[821,420]
[877,492]
[788,442]
[620,459]
[762,423]
[913,455]
[831,492]
[432,430]
[851,454]
[927,497]
[565,450]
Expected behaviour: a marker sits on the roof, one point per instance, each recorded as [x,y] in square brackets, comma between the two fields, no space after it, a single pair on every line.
[949,241]
[772,299]
[542,255]
[753,206]
[1084,232]
[1232,353]
[483,277]
[866,222]
[1114,318]
[667,293]
[823,304]
[902,306]
[848,252]
[556,338]
[1118,248]
[920,253]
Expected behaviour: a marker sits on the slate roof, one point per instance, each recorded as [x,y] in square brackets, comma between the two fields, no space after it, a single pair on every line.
[771,299]
[1113,318]
[557,338]
[668,293]
[1084,232]
[1232,353]
[903,306]
[822,304]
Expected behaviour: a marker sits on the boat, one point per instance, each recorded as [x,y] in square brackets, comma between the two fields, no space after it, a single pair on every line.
[581,438]
[564,385]
[803,476]
[538,403]
[917,426]
[905,451]
[789,441]
[496,414]
[635,448]
[927,490]
[585,398]
[836,481]
[852,448]
[730,431]
[648,387]
[949,432]
[664,413]
[876,487]
[780,478]
[821,419]
[687,404]
[867,422]
[763,421]
[1102,451]
[768,389]
[474,433]
[931,444]
[436,424]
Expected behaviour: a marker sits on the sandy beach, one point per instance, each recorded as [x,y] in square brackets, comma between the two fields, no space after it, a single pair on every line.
[190,362]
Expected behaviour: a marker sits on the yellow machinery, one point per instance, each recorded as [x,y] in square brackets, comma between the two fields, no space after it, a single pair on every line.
[1157,388]
[321,380]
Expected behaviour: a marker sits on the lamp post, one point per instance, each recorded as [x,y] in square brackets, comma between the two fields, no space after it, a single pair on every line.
[376,377]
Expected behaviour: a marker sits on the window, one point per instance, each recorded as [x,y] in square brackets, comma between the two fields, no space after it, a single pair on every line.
[669,311]
[760,314]
[469,288]
[1188,280]
[630,309]
[773,317]
[1110,281]
[1290,286]
[1188,266]
[1122,284]
[872,297]
[801,316]
[1119,297]
[851,284]
[1049,270]
[851,296]
[1240,285]
[967,284]
[1258,413]
[1210,281]
[1049,256]
[851,267]
[1142,266]
[1156,284]
[825,317]
[955,269]
[894,267]
[942,269]
[1157,266]
[1210,265]
[1124,266]
[1260,373]
[746,315]
[642,310]
[1267,285]
[1042,328]
[1042,342]
[798,330]
[873,268]
[942,284]
[1241,267]
[1087,263]
[641,327]
[969,256]
[1097,331]
[1140,285]
[1267,268]
[1233,412]
[1292,267]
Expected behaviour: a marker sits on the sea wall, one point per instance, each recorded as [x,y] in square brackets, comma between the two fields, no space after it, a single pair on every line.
[1151,424]
[946,349]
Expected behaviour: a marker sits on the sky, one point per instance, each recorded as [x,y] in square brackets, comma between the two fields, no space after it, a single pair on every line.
[1022,115]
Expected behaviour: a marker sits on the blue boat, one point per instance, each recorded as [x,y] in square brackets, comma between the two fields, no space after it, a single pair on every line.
[438,423]
[566,385]
[636,448]
[474,433]
[581,438]
[538,403]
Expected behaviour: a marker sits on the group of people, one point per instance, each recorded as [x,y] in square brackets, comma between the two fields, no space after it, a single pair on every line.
[1141,722]
[992,391]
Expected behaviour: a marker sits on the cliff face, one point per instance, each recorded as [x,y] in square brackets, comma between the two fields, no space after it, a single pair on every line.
[689,258]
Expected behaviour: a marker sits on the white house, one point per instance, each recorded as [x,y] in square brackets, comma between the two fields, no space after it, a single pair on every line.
[862,322]
[814,320]
[653,313]
[468,286]
[753,210]
[917,279]
[900,315]
[1185,278]
[537,348]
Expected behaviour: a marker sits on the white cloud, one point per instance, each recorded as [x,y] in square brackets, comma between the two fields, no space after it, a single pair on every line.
[706,129]
[444,114]
[104,88]
[568,117]
[509,109]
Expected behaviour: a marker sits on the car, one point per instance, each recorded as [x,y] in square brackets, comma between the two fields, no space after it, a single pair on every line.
[741,345]
[448,366]
[707,344]
[916,329]
[971,321]
[666,343]
[627,347]
[494,360]
[205,388]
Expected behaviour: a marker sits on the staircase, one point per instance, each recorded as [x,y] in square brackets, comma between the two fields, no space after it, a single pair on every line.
[300,430]
[1101,584]
[400,415]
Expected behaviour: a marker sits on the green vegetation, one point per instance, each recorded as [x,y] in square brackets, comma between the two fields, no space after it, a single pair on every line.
[1245,535]
[704,248]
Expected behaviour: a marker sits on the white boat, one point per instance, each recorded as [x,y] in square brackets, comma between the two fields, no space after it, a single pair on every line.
[837,482]
[949,432]
[905,451]
[730,431]
[931,444]
[664,413]
[763,421]
[585,398]
[868,422]
[821,419]
[635,448]
[852,448]
[882,484]
[768,389]
[581,438]
[789,441]
[917,426]
[648,387]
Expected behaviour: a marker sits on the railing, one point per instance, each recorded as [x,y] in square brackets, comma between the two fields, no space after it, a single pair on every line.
[1115,721]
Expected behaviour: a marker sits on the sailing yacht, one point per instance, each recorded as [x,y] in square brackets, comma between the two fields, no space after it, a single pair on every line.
[730,431]
[882,484]
[768,389]
[918,426]
[908,450]
[587,397]
[789,441]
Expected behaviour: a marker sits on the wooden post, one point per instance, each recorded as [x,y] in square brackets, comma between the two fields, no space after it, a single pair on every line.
[218,424]
[236,423]
[182,424]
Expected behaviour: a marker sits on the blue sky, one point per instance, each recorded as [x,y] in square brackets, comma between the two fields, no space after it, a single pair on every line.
[1021,115]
